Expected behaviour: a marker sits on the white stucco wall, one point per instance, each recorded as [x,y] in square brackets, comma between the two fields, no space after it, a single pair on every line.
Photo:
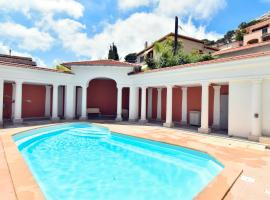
[240,108]
[238,74]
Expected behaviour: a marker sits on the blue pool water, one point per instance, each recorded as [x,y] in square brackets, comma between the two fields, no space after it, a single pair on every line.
[83,161]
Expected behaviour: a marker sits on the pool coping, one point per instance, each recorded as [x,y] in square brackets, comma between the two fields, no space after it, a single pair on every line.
[26,187]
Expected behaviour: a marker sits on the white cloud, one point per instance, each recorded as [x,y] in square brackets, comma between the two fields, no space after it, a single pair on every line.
[26,38]
[4,49]
[129,4]
[70,7]
[130,34]
[70,33]
[200,9]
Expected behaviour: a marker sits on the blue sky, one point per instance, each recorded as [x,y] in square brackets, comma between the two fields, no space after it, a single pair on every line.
[55,31]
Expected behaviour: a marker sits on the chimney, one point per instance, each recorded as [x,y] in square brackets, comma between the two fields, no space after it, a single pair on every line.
[145,45]
[175,35]
[10,52]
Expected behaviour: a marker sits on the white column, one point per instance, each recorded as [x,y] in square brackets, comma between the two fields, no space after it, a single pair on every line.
[48,101]
[159,90]
[84,103]
[216,117]
[184,106]
[149,108]
[168,122]
[133,103]
[119,103]
[70,102]
[143,105]
[256,110]
[1,100]
[55,103]
[204,112]
[13,100]
[18,103]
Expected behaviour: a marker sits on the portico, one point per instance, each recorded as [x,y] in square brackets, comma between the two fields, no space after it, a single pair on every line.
[176,96]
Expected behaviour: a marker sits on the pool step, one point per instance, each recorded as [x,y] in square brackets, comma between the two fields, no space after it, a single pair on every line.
[265,140]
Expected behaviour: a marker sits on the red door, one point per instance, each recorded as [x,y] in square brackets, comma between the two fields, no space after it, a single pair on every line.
[7,110]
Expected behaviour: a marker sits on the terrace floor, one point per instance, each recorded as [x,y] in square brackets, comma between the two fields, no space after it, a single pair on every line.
[245,176]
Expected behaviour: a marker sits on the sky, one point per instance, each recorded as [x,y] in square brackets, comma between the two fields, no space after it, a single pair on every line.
[55,31]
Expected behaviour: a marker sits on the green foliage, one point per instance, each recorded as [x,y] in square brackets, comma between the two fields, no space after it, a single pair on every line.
[229,36]
[244,25]
[62,68]
[113,54]
[131,58]
[165,56]
[239,34]
[150,63]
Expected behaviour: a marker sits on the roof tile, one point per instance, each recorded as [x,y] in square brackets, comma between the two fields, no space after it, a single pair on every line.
[108,62]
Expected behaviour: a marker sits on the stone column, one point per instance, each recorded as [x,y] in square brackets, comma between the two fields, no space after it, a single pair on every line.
[55,103]
[119,103]
[48,101]
[84,103]
[159,90]
[256,110]
[168,122]
[184,106]
[143,106]
[1,100]
[149,108]
[18,103]
[205,106]
[133,103]
[70,102]
[216,117]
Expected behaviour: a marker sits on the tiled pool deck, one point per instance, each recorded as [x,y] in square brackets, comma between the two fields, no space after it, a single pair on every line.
[246,174]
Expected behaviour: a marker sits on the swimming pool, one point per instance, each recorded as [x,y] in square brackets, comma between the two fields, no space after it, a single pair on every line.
[84,161]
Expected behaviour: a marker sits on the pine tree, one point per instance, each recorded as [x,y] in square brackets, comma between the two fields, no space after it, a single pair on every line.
[110,56]
[113,54]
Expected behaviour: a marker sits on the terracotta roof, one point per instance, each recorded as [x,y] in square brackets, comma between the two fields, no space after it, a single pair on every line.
[219,60]
[179,36]
[27,66]
[17,59]
[250,46]
[108,62]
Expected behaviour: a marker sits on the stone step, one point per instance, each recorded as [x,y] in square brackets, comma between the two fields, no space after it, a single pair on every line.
[265,140]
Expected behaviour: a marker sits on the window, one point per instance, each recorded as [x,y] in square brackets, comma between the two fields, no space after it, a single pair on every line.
[141,59]
[264,30]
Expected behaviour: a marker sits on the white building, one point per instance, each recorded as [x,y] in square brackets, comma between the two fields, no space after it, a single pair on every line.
[228,93]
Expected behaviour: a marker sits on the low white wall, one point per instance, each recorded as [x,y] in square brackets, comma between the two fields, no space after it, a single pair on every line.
[240,108]
[266,107]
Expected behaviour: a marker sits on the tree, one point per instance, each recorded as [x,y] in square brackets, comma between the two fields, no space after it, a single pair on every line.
[131,58]
[165,56]
[229,36]
[239,34]
[208,42]
[113,54]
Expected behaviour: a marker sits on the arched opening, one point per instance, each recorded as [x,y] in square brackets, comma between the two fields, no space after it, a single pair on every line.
[102,98]
[253,41]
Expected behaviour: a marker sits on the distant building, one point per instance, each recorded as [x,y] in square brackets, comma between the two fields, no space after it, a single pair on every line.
[189,44]
[256,39]
[258,32]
